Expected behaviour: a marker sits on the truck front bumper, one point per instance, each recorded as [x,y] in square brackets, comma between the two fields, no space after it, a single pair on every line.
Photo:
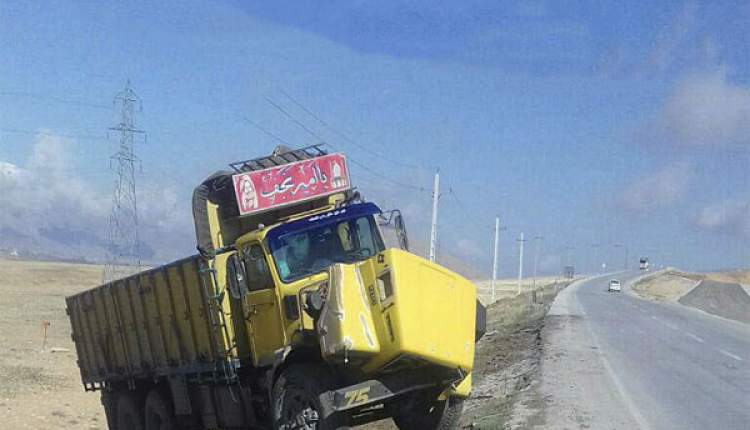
[376,391]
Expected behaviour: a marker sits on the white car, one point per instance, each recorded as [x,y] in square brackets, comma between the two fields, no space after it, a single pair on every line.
[614,285]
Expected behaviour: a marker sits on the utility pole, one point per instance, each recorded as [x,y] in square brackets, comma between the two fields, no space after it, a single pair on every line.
[625,247]
[123,247]
[567,255]
[520,262]
[433,229]
[538,240]
[596,257]
[494,264]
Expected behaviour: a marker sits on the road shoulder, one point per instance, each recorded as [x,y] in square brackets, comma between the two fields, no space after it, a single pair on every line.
[578,388]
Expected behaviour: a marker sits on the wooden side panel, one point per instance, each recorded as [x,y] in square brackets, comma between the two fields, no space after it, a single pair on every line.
[198,311]
[174,305]
[121,300]
[112,340]
[81,340]
[141,324]
[183,310]
[159,353]
[95,329]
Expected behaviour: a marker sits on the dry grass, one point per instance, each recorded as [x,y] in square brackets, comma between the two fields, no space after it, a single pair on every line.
[505,288]
[667,286]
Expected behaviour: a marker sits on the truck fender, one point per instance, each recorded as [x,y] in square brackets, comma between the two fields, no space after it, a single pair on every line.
[279,358]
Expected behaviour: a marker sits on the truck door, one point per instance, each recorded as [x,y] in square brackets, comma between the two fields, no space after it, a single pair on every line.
[261,306]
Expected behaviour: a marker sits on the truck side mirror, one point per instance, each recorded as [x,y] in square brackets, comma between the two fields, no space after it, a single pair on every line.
[393,219]
[403,239]
[236,277]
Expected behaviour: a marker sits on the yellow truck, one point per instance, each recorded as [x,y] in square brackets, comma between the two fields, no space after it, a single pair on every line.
[293,314]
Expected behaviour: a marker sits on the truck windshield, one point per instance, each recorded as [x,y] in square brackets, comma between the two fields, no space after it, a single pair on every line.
[312,245]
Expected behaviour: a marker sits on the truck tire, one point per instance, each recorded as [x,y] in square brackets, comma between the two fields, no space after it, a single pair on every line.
[440,415]
[129,412]
[294,399]
[158,412]
[109,401]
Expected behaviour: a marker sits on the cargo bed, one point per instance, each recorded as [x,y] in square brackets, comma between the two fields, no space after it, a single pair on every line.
[163,321]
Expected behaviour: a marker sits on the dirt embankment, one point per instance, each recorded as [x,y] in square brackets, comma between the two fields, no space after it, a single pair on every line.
[667,286]
[507,361]
[727,300]
[722,293]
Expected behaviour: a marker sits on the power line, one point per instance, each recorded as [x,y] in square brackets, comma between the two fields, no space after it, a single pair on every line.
[355,162]
[466,213]
[382,176]
[344,136]
[295,120]
[266,132]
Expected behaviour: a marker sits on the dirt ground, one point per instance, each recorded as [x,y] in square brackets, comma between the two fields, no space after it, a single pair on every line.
[725,294]
[507,361]
[41,389]
[669,286]
[40,386]
[725,299]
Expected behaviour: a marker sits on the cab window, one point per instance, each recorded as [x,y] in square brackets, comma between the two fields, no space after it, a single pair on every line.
[256,267]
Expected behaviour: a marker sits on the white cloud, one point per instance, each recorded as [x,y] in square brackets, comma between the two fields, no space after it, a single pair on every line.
[670,42]
[47,208]
[705,110]
[662,188]
[730,216]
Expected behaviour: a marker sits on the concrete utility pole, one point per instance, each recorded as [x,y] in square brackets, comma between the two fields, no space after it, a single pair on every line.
[625,247]
[433,229]
[538,240]
[520,262]
[494,263]
[567,255]
[596,257]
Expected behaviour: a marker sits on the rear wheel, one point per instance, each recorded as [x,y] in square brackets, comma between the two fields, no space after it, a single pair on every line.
[437,415]
[295,399]
[129,412]
[158,412]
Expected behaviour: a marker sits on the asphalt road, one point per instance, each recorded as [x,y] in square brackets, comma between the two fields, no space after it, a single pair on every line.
[612,360]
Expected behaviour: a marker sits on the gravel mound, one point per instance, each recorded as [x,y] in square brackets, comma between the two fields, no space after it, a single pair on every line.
[728,300]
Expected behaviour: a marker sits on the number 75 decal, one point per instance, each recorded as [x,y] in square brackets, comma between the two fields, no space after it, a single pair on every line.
[356,397]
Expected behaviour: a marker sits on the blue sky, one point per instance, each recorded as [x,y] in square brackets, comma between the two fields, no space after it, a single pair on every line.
[584,122]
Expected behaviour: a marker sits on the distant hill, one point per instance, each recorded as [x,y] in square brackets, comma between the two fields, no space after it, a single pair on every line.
[19,254]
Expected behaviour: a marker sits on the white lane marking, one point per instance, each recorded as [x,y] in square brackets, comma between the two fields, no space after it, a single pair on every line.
[729,354]
[629,403]
[694,337]
[670,325]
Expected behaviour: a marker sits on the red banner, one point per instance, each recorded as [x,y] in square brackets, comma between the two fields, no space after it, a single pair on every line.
[291,183]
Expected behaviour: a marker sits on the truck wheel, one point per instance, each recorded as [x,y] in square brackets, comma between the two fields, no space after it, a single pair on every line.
[440,415]
[158,412]
[295,401]
[109,401]
[129,412]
